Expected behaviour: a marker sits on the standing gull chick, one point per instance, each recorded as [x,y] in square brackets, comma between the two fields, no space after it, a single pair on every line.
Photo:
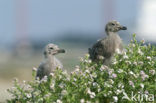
[51,62]
[105,48]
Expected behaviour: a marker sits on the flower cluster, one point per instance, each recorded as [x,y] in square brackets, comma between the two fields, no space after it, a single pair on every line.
[133,70]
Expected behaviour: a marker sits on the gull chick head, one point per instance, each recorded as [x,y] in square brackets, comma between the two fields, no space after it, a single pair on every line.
[52,49]
[114,26]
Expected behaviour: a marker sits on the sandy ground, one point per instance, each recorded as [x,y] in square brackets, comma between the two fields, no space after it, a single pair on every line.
[4,85]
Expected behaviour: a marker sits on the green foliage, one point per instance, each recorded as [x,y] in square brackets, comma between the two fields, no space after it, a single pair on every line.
[131,71]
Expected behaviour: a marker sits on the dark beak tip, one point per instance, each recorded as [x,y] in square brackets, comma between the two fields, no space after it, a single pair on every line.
[124,28]
[63,51]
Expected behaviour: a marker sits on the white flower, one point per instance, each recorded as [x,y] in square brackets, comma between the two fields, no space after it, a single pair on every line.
[47,95]
[87,71]
[135,63]
[111,81]
[128,62]
[52,86]
[146,92]
[61,85]
[58,101]
[125,96]
[92,94]
[24,81]
[125,56]
[120,85]
[115,98]
[143,75]
[114,75]
[44,79]
[149,58]
[15,80]
[152,72]
[140,62]
[82,101]
[130,51]
[100,57]
[118,91]
[105,95]
[28,95]
[143,41]
[63,92]
[40,100]
[51,74]
[142,85]
[87,55]
[95,84]
[149,63]
[77,68]
[103,67]
[110,71]
[99,89]
[65,72]
[149,44]
[34,69]
[28,86]
[94,75]
[60,76]
[88,102]
[74,79]
[133,45]
[118,51]
[81,59]
[88,61]
[114,61]
[88,90]
[109,92]
[72,72]
[131,73]
[108,85]
[68,78]
[131,83]
[120,71]
[140,52]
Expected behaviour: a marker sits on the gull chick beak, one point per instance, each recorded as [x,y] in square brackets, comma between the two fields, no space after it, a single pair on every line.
[61,51]
[123,28]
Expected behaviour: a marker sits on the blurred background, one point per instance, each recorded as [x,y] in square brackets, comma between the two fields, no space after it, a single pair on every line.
[26,26]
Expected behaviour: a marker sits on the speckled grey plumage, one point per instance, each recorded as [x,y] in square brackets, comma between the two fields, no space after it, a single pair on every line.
[105,48]
[51,62]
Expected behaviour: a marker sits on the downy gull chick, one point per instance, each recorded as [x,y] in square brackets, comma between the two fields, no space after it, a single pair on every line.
[51,62]
[105,48]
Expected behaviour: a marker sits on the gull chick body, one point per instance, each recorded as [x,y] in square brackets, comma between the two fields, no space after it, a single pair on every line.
[51,62]
[104,49]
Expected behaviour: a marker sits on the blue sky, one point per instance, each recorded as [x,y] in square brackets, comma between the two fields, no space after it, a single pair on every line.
[53,17]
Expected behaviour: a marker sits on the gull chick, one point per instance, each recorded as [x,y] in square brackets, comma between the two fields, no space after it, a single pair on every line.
[105,48]
[51,62]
